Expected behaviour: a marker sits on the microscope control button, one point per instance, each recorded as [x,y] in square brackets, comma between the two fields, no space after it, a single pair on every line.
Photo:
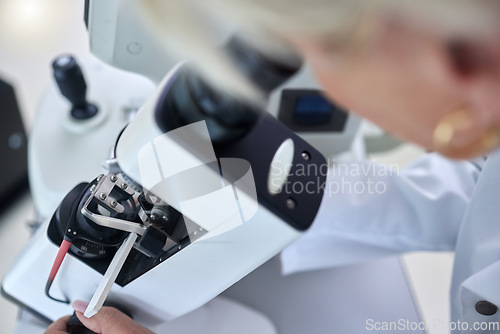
[280,167]
[486,308]
[134,48]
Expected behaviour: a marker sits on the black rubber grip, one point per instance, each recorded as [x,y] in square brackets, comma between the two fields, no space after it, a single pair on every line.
[75,326]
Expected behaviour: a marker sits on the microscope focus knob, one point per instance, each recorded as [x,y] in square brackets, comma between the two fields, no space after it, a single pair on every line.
[69,78]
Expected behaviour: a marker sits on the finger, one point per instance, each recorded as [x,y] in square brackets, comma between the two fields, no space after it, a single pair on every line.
[111,321]
[59,326]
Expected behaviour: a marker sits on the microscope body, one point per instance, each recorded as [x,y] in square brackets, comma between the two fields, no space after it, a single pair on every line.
[208,265]
[230,194]
[64,151]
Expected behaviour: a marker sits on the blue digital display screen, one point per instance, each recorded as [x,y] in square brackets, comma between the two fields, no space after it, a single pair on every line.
[312,110]
[307,110]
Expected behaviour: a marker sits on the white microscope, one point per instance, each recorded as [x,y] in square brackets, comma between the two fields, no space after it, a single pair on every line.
[165,192]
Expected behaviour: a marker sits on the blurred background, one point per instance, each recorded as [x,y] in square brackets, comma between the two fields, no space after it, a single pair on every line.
[32,33]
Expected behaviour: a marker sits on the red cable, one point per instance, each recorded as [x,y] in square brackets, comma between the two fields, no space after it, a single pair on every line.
[63,249]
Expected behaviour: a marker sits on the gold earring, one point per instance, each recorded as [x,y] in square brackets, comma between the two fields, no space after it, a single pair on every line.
[450,127]
[491,139]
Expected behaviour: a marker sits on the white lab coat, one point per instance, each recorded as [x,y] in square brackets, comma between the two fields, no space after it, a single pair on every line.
[435,204]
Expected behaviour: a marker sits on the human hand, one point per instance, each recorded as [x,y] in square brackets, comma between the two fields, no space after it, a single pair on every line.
[107,321]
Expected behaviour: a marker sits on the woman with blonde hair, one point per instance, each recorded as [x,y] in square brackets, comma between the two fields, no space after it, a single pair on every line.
[427,71]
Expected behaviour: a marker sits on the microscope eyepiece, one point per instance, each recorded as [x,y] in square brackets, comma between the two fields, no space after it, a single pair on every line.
[191,98]
[264,71]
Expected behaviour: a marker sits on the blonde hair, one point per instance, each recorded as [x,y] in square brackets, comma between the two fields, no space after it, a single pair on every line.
[194,29]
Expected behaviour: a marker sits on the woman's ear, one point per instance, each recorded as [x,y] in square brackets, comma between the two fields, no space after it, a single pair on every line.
[473,127]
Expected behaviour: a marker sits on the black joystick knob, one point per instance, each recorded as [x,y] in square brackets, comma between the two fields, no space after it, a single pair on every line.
[75,326]
[69,78]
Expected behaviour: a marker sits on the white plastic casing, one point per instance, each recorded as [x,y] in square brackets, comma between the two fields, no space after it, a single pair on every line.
[182,283]
[118,37]
[63,151]
[205,268]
